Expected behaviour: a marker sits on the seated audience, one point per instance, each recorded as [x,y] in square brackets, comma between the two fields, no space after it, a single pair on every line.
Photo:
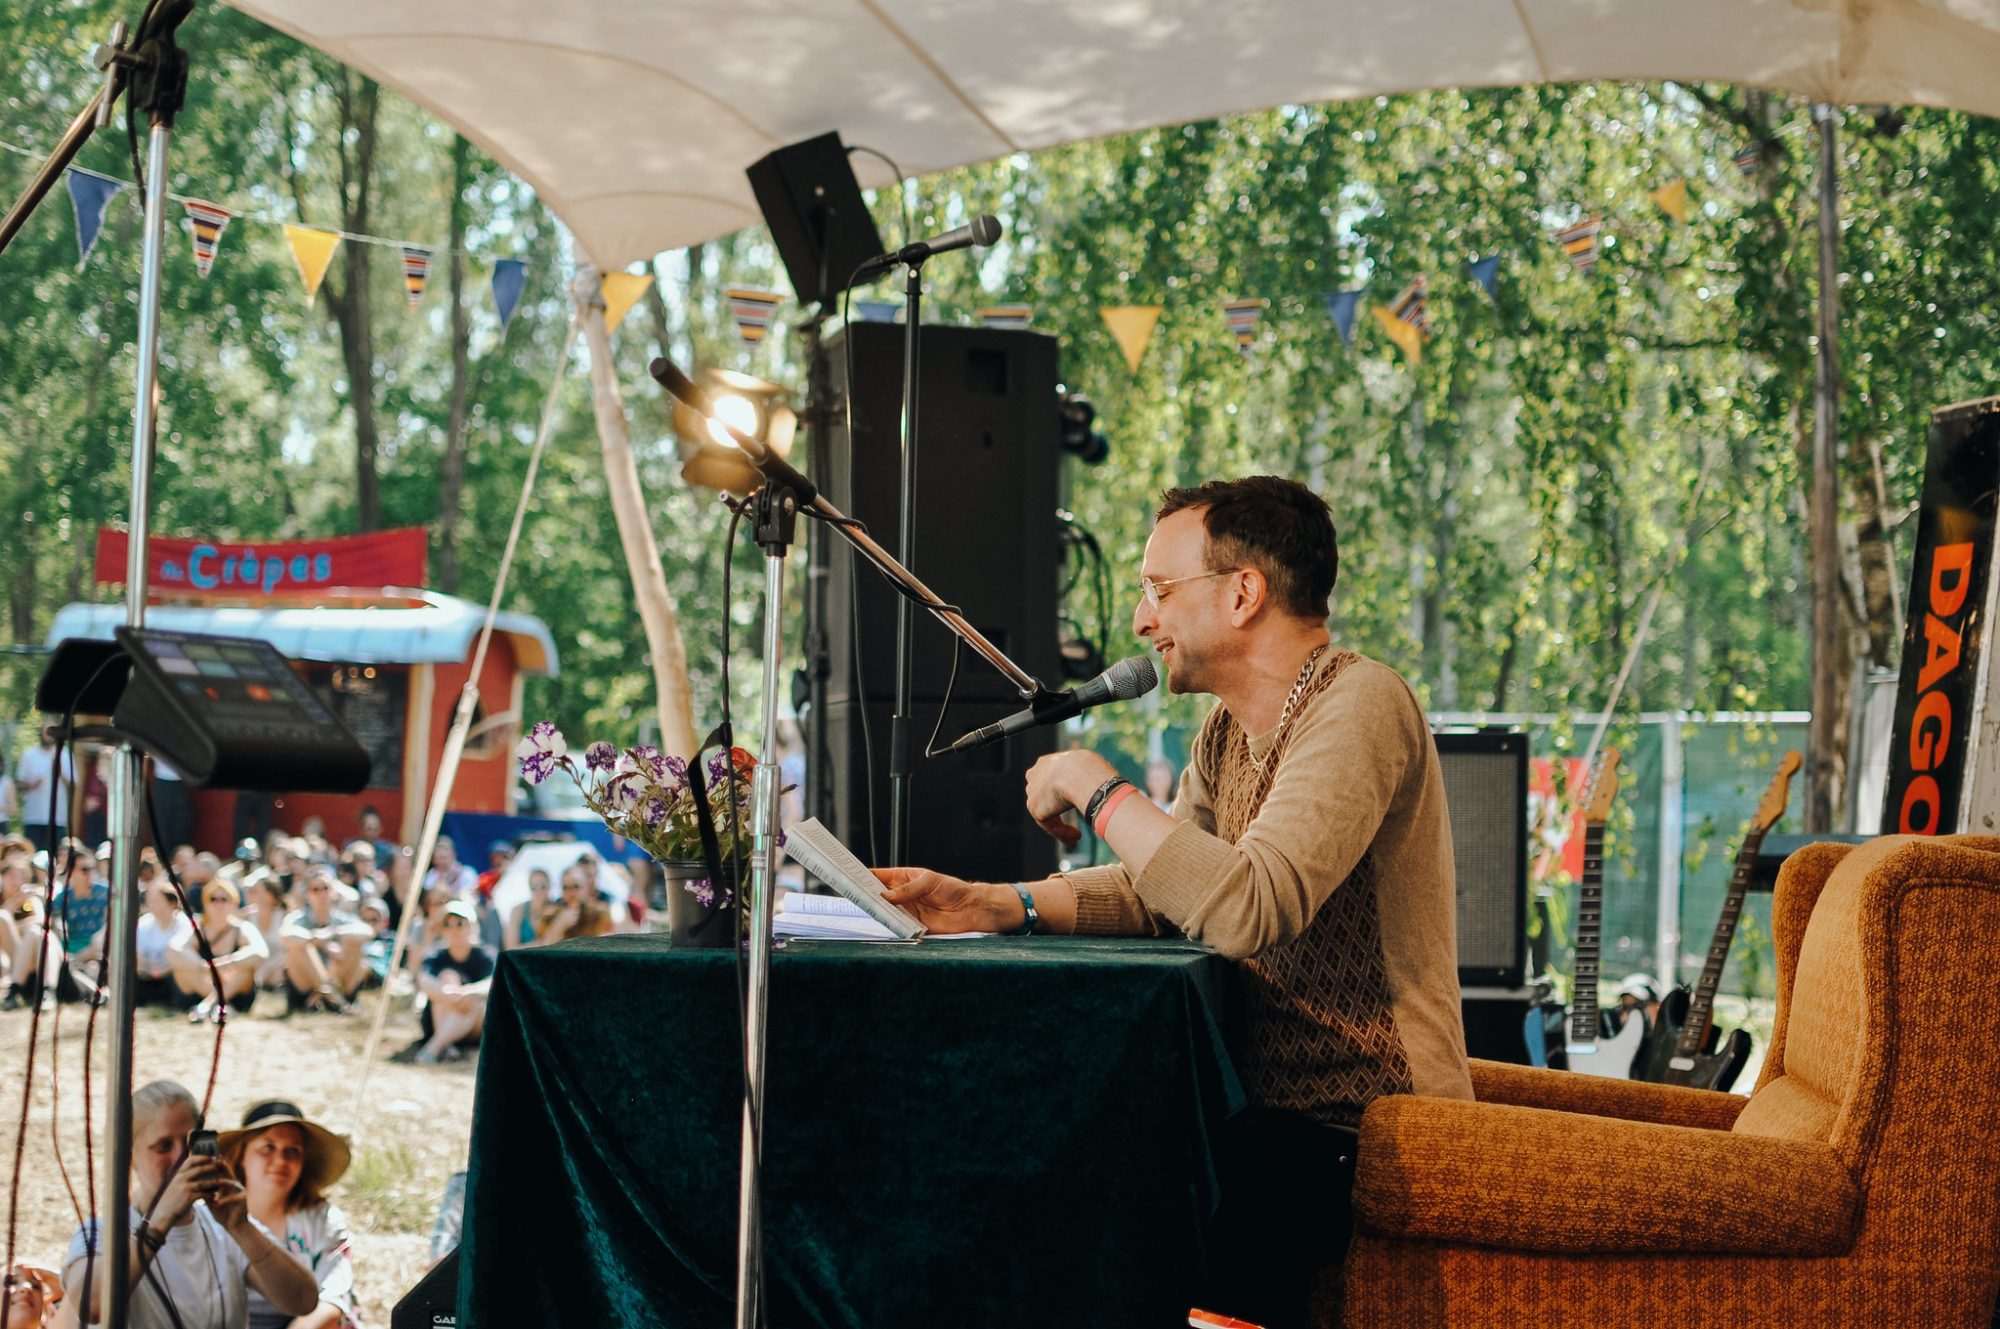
[286,1163]
[325,949]
[579,913]
[454,981]
[20,901]
[191,1233]
[447,872]
[162,927]
[74,920]
[527,915]
[265,896]
[237,944]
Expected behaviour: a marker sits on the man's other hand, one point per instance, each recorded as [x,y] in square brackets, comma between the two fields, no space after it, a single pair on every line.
[1063,782]
[947,904]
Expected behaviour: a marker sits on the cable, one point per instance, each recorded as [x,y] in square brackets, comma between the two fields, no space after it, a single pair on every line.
[902,196]
[931,748]
[860,700]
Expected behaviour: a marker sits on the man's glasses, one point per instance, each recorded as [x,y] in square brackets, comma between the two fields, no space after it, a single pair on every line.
[1156,591]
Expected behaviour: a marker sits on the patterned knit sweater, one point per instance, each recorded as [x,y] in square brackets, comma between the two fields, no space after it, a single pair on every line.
[1328,873]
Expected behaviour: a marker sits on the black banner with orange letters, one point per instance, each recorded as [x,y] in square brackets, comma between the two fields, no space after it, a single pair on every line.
[1944,639]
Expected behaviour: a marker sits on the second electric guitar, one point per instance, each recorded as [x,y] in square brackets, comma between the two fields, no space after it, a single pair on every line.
[1590,1051]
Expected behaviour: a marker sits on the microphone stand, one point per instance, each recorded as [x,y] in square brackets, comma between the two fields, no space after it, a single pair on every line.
[155,69]
[900,771]
[775,508]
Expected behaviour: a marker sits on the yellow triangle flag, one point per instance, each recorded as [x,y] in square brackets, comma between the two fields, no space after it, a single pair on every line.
[1673,200]
[312,250]
[621,291]
[1132,325]
[1406,335]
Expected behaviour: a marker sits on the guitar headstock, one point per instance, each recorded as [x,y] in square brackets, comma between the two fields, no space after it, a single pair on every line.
[1602,791]
[1777,795]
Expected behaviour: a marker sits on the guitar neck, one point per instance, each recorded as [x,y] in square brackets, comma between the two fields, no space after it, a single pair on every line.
[1589,936]
[1701,1006]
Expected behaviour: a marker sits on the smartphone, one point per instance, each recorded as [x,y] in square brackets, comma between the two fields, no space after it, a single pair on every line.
[201,1144]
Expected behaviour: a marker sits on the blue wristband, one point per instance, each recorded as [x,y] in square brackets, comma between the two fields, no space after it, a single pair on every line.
[1027,903]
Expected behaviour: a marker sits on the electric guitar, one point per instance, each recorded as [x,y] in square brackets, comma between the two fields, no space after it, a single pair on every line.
[1683,1047]
[1591,1050]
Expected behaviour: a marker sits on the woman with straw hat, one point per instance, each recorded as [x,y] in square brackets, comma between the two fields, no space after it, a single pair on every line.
[286,1163]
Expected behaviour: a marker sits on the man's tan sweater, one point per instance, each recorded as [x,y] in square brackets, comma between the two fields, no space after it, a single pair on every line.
[1328,873]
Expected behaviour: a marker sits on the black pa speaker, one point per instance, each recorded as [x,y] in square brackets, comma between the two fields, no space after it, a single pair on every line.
[433,1302]
[813,206]
[988,452]
[1486,789]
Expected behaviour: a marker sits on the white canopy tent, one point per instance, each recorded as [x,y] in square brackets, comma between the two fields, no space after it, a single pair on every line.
[635,121]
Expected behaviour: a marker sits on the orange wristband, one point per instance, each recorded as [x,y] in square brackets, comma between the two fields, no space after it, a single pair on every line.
[1118,796]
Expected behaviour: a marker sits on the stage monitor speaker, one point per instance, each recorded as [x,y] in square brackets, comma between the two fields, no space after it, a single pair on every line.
[967,814]
[433,1302]
[814,208]
[1486,789]
[988,453]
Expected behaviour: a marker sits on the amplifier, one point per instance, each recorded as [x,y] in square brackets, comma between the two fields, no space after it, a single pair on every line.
[1486,789]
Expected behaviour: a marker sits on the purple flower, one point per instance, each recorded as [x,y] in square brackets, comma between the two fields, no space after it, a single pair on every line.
[718,767]
[650,762]
[543,740]
[703,893]
[677,774]
[654,813]
[538,766]
[623,791]
[600,756]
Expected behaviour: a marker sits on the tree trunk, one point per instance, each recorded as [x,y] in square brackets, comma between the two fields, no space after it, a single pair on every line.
[351,303]
[1881,599]
[665,647]
[451,479]
[1832,641]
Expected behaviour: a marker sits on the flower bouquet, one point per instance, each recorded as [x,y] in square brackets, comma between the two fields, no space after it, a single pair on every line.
[646,796]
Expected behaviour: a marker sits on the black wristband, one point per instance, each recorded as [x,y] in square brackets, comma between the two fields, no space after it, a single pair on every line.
[1104,791]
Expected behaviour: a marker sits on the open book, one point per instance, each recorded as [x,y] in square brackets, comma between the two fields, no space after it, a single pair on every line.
[816,849]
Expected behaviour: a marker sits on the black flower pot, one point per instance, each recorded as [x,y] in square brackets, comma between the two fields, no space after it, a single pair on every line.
[699,916]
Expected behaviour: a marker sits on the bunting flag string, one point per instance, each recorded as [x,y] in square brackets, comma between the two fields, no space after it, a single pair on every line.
[1579,242]
[1244,316]
[621,291]
[416,272]
[89,195]
[1672,199]
[205,222]
[1486,271]
[1009,317]
[312,250]
[1132,328]
[510,278]
[1341,307]
[753,311]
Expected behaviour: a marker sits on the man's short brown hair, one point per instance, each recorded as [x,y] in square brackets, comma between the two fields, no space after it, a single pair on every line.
[1275,525]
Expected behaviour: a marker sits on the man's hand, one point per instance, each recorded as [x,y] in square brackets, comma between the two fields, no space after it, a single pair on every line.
[1062,782]
[947,904]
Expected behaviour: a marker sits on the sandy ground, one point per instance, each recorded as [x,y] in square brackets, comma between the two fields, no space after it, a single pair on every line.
[411,1136]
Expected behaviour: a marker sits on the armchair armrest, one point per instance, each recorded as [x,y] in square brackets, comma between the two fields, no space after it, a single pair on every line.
[1530,1179]
[1628,1100]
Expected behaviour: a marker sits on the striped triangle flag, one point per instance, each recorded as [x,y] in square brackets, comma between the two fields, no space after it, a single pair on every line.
[1413,305]
[1749,159]
[205,223]
[1579,244]
[753,311]
[1244,316]
[1010,317]
[416,272]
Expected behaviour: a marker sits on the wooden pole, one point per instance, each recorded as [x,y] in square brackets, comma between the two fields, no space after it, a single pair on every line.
[628,505]
[1826,740]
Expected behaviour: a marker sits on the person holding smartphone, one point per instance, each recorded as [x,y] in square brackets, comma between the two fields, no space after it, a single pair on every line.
[195,1251]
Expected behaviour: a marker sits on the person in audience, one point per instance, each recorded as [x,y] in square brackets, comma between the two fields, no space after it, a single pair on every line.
[396,871]
[579,913]
[96,797]
[237,944]
[325,949]
[450,1220]
[454,980]
[31,1294]
[201,869]
[498,855]
[426,932]
[190,1231]
[39,766]
[266,913]
[523,923]
[369,827]
[381,941]
[162,927]
[75,918]
[287,1162]
[313,831]
[448,872]
[1160,781]
[20,903]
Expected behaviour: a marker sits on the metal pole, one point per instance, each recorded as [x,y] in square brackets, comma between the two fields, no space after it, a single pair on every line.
[899,724]
[764,808]
[1824,743]
[126,821]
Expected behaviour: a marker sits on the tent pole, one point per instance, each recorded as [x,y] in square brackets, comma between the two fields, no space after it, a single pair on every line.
[1826,743]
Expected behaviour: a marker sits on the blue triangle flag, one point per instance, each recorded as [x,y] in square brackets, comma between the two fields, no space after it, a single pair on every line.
[1343,306]
[877,311]
[510,278]
[1486,272]
[90,195]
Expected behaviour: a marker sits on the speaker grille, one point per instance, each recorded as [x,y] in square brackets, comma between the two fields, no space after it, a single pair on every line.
[1486,788]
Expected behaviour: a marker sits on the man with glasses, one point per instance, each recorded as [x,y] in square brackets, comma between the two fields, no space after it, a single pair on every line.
[1308,840]
[325,950]
[454,980]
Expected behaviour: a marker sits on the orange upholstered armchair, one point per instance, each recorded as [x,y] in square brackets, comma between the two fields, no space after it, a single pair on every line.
[1859,1185]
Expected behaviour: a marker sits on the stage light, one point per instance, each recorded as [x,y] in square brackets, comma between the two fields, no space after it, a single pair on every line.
[1079,436]
[710,458]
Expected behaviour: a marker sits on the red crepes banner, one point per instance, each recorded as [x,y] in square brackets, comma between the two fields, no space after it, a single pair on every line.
[270,568]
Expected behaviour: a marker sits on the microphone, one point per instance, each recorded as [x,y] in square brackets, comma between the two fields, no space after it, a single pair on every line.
[1129,678]
[982,230]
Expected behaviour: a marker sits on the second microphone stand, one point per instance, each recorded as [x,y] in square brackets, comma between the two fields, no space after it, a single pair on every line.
[901,768]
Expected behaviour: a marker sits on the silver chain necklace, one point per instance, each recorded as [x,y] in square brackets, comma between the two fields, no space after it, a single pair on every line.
[1285,716]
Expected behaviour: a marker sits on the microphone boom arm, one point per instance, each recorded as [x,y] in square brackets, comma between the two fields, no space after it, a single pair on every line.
[777,470]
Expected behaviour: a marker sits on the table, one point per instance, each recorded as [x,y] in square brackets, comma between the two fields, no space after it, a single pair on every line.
[998,1131]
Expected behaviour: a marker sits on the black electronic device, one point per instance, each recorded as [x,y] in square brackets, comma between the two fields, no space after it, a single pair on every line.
[811,202]
[1486,794]
[201,1144]
[433,1302]
[228,712]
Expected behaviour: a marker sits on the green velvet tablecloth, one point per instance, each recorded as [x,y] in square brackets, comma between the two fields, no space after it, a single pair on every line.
[957,1133]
